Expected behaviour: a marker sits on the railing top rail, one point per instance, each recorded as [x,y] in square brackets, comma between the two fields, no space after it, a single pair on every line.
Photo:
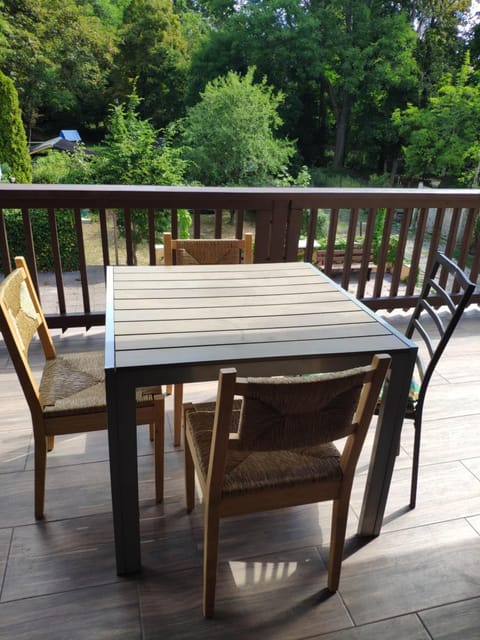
[41,195]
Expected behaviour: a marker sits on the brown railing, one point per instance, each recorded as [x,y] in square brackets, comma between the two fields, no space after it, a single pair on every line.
[415,223]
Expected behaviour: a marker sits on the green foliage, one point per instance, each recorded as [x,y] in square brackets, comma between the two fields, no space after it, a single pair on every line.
[133,154]
[13,142]
[154,52]
[476,230]
[60,60]
[110,12]
[442,139]
[41,232]
[285,179]
[321,228]
[229,136]
[324,177]
[343,67]
[63,168]
[441,41]
[378,233]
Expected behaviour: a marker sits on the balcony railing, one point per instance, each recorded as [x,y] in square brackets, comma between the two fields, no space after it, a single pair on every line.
[415,223]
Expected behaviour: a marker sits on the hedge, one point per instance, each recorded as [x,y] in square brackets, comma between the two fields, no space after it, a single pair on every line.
[41,235]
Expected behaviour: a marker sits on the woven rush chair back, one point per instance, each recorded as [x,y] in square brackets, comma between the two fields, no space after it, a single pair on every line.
[268,443]
[21,317]
[202,252]
[293,412]
[211,251]
[71,395]
[433,321]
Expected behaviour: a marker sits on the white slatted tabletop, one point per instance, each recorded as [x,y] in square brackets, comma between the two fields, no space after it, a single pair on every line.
[181,324]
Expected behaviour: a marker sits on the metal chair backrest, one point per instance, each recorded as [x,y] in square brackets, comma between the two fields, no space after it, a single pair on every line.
[434,296]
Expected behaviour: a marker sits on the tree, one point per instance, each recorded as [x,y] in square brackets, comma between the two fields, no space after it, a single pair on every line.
[229,136]
[441,43]
[333,60]
[443,139]
[152,52]
[60,60]
[13,142]
[133,153]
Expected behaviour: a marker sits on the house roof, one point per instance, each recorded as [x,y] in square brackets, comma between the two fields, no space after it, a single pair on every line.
[54,143]
[70,134]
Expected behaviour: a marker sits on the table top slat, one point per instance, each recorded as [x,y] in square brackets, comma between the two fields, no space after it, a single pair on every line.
[234,337]
[276,351]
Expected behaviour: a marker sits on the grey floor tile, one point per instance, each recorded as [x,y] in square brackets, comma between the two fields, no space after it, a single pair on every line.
[458,621]
[446,491]
[275,596]
[14,447]
[5,541]
[402,628]
[50,557]
[101,613]
[405,571]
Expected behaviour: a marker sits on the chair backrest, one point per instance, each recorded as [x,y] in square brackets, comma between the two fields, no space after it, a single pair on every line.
[211,251]
[21,317]
[427,321]
[295,412]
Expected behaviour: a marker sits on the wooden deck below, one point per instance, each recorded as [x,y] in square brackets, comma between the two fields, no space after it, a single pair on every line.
[419,580]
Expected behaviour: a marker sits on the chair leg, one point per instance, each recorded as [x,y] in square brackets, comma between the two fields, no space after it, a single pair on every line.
[50,443]
[169,389]
[189,478]
[177,414]
[159,447]
[337,541]
[151,428]
[40,457]
[210,558]
[416,462]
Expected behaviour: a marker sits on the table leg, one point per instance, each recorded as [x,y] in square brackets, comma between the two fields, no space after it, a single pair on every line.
[122,441]
[385,447]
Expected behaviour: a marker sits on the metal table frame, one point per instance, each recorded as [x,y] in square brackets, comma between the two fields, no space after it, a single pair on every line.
[320,327]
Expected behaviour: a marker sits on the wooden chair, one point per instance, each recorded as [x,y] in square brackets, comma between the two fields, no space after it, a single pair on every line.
[198,251]
[71,395]
[274,449]
[427,324]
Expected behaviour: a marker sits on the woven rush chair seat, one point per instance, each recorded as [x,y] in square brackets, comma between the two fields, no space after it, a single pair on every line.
[74,383]
[269,443]
[71,396]
[202,251]
[248,471]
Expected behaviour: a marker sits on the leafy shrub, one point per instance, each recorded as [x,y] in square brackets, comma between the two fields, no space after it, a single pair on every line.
[324,177]
[41,233]
[378,233]
[57,167]
[476,230]
[321,226]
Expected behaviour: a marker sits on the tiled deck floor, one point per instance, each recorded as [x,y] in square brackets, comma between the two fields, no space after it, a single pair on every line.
[419,579]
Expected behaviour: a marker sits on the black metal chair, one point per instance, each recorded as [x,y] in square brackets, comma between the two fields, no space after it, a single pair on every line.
[434,295]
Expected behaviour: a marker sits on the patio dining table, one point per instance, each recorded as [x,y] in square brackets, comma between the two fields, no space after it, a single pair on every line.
[181,324]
